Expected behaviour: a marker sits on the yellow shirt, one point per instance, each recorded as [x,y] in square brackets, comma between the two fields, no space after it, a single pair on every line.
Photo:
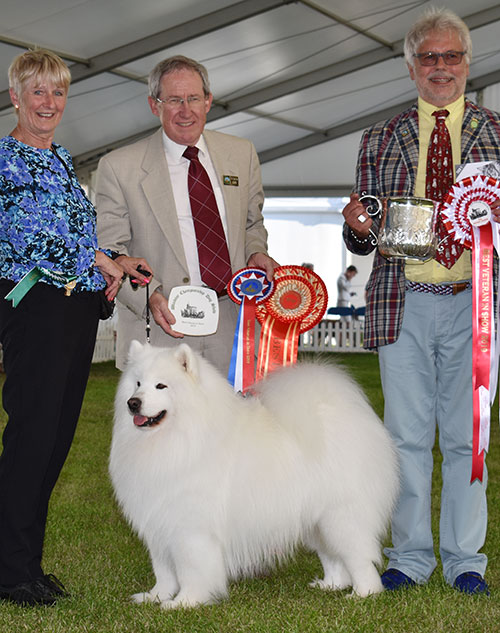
[432,271]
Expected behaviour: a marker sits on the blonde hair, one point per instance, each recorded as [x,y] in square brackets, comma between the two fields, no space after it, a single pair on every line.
[38,64]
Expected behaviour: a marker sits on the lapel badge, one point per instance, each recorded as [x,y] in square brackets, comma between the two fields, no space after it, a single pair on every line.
[405,132]
[474,123]
[231,181]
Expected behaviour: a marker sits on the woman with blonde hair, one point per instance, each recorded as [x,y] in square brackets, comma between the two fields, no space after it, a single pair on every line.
[54,281]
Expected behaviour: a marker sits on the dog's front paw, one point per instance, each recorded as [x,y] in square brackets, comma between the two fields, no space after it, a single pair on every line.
[328,585]
[187,602]
[146,596]
[179,604]
[364,591]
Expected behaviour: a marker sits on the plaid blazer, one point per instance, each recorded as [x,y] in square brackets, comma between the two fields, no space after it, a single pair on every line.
[387,167]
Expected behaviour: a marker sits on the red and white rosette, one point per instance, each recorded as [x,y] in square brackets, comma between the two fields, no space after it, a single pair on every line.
[248,287]
[297,304]
[466,214]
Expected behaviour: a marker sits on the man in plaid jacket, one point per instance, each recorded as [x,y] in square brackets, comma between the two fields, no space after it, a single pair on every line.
[419,316]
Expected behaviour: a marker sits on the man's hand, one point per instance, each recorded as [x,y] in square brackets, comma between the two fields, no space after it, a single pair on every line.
[261,260]
[356,217]
[162,315]
[495,210]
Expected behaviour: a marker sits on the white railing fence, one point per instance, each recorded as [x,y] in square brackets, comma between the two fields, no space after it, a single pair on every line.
[330,335]
[105,345]
[334,336]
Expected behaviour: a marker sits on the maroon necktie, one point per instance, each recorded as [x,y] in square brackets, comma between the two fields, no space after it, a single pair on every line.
[213,254]
[439,180]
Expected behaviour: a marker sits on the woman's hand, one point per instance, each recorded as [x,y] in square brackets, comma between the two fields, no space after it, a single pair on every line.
[130,266]
[112,272]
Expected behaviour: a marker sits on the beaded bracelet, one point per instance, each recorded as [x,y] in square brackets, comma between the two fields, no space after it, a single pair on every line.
[356,238]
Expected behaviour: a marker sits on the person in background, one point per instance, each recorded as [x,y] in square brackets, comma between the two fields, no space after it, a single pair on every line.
[419,316]
[148,197]
[47,229]
[344,292]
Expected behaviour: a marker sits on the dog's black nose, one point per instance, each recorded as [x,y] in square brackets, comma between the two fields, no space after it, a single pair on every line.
[134,404]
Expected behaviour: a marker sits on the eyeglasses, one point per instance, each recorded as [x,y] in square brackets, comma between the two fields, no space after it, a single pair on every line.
[450,58]
[178,102]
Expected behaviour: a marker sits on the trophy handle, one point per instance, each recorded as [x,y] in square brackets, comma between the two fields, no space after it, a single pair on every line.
[372,210]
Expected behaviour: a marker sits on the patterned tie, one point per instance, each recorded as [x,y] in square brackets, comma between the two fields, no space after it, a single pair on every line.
[439,179]
[213,254]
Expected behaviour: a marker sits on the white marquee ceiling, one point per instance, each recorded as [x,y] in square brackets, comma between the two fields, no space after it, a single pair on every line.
[300,79]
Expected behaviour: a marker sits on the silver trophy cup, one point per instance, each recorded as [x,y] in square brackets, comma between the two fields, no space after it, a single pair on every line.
[407,227]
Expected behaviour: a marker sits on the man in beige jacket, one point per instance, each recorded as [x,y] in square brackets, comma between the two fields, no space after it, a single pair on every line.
[143,208]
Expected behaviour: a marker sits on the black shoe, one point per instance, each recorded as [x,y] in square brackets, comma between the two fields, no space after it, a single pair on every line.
[44,590]
[55,585]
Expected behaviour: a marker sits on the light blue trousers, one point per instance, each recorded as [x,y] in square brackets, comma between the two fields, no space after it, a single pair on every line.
[427,380]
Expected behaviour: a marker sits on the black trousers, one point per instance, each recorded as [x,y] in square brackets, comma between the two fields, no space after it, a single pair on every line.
[48,342]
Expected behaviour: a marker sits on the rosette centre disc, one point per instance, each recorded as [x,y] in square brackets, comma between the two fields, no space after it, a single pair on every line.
[290,300]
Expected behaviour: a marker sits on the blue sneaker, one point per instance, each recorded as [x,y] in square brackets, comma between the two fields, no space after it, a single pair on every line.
[471,582]
[393,579]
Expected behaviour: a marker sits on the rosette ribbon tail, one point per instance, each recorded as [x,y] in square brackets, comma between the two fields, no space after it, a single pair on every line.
[278,347]
[242,365]
[248,287]
[24,286]
[32,277]
[483,344]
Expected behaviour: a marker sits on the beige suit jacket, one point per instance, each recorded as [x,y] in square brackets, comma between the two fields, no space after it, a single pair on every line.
[136,216]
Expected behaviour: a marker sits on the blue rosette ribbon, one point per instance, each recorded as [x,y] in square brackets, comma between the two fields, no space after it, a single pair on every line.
[248,287]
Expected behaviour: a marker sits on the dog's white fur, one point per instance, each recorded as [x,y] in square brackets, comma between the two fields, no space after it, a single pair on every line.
[225,485]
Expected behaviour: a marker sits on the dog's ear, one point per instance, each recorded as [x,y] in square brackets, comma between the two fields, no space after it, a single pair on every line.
[187,359]
[134,350]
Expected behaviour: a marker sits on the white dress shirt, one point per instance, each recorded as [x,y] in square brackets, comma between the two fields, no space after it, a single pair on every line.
[178,167]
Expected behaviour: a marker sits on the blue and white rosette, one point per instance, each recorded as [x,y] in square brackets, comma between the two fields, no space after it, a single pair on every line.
[248,287]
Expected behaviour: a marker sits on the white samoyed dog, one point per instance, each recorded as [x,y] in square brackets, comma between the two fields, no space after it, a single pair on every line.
[220,486]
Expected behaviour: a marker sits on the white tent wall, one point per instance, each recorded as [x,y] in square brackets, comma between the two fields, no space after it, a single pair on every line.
[306,236]
[307,230]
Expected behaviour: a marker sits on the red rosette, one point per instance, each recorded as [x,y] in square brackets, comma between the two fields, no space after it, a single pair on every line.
[467,204]
[300,295]
[466,214]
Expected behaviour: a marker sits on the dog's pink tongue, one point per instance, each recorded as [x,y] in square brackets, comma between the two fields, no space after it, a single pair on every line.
[139,420]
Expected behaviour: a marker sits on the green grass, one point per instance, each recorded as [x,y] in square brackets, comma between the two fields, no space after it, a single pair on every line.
[91,548]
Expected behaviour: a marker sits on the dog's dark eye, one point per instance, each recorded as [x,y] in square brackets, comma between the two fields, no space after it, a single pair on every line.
[138,384]
[161,386]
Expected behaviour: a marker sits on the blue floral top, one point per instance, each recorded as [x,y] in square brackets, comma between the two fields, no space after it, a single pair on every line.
[46,219]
